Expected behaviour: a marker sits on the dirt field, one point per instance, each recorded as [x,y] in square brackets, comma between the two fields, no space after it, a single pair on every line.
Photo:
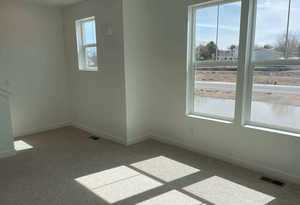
[261,77]
[274,78]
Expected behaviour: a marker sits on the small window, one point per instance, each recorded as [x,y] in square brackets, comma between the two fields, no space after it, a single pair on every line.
[87,44]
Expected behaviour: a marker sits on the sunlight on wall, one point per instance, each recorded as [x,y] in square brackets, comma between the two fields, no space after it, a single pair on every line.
[220,191]
[164,168]
[116,184]
[21,145]
[172,197]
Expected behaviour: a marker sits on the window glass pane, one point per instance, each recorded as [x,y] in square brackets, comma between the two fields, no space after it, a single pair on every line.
[229,31]
[89,32]
[217,32]
[217,39]
[214,90]
[205,33]
[271,27]
[91,57]
[293,49]
[276,96]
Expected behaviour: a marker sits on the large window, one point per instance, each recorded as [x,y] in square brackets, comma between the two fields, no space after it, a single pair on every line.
[275,64]
[214,58]
[264,66]
[87,44]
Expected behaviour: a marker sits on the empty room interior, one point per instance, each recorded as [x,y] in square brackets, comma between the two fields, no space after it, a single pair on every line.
[150,102]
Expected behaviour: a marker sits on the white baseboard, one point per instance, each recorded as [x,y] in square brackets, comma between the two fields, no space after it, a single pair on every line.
[8,153]
[254,166]
[136,140]
[99,133]
[42,129]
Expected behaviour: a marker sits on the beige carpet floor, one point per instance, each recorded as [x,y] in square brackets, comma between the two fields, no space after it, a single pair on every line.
[64,167]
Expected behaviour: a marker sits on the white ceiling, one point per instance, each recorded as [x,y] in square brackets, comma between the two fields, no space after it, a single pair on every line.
[53,2]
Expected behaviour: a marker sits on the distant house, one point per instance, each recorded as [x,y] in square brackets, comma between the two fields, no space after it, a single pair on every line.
[260,54]
[228,55]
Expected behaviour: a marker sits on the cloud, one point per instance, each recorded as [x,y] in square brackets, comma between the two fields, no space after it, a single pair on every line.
[271,20]
[271,23]
[230,28]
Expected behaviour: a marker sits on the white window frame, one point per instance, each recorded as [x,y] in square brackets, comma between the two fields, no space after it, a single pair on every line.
[190,53]
[246,65]
[81,46]
[246,116]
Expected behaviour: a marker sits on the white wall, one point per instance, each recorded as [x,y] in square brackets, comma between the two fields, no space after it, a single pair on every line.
[136,15]
[164,73]
[32,60]
[6,136]
[98,98]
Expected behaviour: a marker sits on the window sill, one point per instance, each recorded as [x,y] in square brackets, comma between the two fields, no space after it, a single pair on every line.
[209,118]
[272,130]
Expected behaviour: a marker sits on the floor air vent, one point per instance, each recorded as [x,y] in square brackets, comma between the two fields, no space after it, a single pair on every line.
[94,138]
[272,181]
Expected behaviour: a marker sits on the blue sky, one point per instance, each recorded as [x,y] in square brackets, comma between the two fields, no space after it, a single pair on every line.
[271,22]
[89,32]
[229,23]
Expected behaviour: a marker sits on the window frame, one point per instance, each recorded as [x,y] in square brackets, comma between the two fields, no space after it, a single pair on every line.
[251,67]
[245,71]
[191,60]
[81,46]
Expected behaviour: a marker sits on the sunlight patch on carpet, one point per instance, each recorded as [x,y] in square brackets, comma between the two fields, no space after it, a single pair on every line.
[20,145]
[220,191]
[118,183]
[173,197]
[165,168]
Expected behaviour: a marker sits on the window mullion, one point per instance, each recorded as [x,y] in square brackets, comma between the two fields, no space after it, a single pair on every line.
[287,31]
[217,33]
[245,70]
[191,73]
[83,48]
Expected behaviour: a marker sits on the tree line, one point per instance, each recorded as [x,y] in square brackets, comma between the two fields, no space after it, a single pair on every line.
[289,47]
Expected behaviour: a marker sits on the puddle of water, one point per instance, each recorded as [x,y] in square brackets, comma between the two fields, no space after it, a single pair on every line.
[267,113]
